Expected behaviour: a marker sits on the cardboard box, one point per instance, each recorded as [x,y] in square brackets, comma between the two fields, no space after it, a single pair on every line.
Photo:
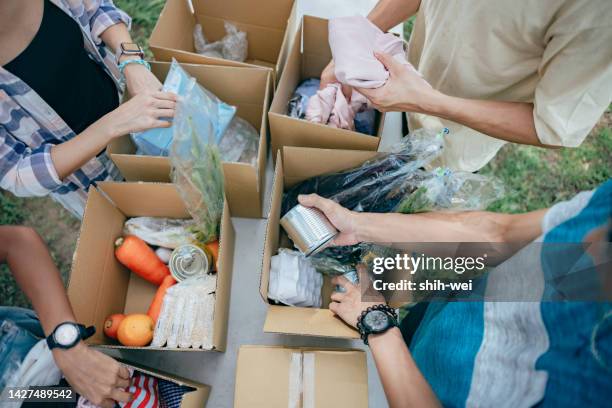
[100,286]
[303,63]
[269,25]
[192,399]
[333,378]
[295,165]
[249,90]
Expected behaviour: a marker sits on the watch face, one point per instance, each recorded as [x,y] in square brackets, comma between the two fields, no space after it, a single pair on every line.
[376,320]
[130,47]
[66,334]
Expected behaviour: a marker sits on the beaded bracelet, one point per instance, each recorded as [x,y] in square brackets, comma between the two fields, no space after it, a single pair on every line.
[125,63]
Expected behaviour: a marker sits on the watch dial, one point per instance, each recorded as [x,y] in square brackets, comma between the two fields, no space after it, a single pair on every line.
[66,334]
[376,320]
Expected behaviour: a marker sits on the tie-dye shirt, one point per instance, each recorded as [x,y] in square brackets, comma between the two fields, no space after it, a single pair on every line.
[29,127]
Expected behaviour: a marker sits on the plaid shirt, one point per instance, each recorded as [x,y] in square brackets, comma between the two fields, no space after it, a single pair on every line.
[29,127]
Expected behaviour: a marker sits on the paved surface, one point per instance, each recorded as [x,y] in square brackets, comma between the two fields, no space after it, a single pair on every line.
[247,308]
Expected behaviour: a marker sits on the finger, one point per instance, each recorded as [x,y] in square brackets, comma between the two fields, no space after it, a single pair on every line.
[161,124]
[164,113]
[124,372]
[337,296]
[121,396]
[122,383]
[315,200]
[388,61]
[170,96]
[164,104]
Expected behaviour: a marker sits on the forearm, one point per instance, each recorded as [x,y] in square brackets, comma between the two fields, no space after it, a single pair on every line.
[468,226]
[36,274]
[402,381]
[73,154]
[116,34]
[389,13]
[509,121]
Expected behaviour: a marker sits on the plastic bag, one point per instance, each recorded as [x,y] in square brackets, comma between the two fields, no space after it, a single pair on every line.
[162,232]
[233,46]
[365,187]
[196,162]
[240,142]
[293,280]
[156,142]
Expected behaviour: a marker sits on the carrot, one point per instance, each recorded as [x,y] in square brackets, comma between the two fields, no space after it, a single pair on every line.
[139,258]
[156,304]
[213,248]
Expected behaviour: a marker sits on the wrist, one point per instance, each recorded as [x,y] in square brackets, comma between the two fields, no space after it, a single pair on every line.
[433,103]
[360,226]
[376,340]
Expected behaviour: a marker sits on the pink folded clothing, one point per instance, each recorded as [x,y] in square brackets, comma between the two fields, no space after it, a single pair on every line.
[330,107]
[353,41]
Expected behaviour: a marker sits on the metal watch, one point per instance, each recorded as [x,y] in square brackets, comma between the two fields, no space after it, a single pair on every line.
[131,49]
[68,334]
[375,320]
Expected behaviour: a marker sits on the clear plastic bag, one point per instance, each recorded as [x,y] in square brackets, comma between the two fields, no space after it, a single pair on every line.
[365,188]
[196,162]
[213,111]
[233,46]
[240,142]
[162,232]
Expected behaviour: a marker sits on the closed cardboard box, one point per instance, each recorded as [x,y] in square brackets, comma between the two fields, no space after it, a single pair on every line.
[268,24]
[293,166]
[309,55]
[281,377]
[249,90]
[100,286]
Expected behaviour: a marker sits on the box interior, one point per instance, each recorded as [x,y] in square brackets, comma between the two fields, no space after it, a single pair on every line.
[295,165]
[100,286]
[340,377]
[246,88]
[265,26]
[308,56]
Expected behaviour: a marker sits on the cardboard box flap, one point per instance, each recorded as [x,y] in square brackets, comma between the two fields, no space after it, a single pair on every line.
[291,74]
[224,280]
[176,13]
[341,379]
[315,37]
[165,375]
[95,246]
[146,199]
[267,13]
[306,321]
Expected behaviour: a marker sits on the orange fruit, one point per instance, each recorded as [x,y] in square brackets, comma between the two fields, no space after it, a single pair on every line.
[111,324]
[136,330]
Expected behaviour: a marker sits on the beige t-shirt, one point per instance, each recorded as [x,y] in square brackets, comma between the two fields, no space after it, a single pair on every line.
[554,53]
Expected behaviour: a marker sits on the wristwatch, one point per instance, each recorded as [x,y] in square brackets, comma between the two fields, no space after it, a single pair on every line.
[129,48]
[375,320]
[68,334]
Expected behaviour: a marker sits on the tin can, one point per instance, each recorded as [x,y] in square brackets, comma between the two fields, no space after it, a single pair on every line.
[308,228]
[188,261]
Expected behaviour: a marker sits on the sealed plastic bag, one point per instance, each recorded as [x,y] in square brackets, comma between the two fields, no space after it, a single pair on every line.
[196,162]
[156,142]
[239,142]
[233,46]
[362,188]
[162,232]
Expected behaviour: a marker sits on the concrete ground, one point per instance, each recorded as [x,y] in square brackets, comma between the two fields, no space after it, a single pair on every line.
[247,308]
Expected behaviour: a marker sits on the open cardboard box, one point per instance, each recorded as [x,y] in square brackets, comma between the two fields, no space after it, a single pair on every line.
[337,379]
[293,166]
[303,63]
[100,286]
[192,399]
[269,25]
[249,90]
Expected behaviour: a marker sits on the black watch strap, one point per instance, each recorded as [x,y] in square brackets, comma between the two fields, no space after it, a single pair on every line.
[388,310]
[84,334]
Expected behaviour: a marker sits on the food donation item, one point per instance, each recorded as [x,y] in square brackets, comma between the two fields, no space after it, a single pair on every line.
[111,325]
[156,304]
[293,280]
[139,258]
[136,330]
[308,228]
[188,261]
[163,232]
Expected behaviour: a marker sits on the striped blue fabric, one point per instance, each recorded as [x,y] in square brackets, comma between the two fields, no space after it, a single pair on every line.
[29,127]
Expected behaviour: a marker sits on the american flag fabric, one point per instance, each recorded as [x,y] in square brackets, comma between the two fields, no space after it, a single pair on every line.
[144,391]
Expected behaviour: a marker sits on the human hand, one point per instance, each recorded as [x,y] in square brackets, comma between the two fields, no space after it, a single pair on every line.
[405,90]
[344,220]
[138,80]
[94,375]
[348,305]
[328,76]
[141,112]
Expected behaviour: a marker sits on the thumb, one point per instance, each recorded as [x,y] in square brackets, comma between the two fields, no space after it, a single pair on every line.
[314,200]
[388,61]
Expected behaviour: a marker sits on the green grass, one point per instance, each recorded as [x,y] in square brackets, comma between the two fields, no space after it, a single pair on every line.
[144,15]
